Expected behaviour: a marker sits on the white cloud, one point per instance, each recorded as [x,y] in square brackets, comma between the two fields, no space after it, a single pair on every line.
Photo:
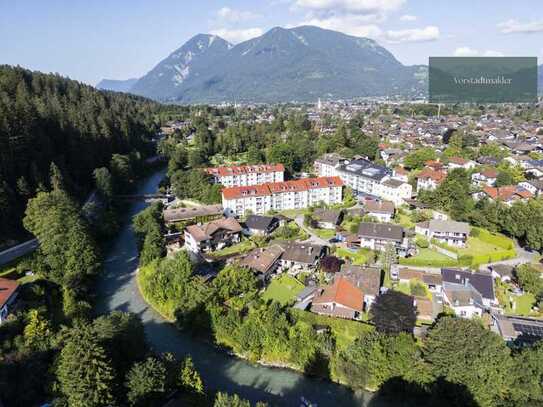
[490,53]
[235,16]
[236,36]
[351,6]
[515,26]
[408,17]
[429,33]
[470,52]
[465,52]
[349,24]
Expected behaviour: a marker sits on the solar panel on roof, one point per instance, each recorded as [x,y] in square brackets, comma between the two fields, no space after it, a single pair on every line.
[526,329]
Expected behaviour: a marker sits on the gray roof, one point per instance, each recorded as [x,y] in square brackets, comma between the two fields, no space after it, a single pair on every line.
[380,231]
[327,215]
[462,295]
[179,214]
[368,279]
[302,252]
[482,282]
[445,226]
[393,183]
[365,168]
[258,222]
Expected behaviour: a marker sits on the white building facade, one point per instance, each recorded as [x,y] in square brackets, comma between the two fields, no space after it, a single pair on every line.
[246,175]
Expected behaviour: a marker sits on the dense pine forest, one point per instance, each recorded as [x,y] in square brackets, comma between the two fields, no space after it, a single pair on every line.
[50,123]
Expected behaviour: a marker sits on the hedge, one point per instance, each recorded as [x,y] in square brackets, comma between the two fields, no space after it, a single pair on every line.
[413,261]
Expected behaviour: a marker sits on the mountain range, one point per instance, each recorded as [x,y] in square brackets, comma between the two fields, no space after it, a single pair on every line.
[296,64]
[301,63]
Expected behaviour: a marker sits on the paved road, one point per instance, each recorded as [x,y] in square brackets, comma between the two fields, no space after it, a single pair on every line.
[313,238]
[117,290]
[20,250]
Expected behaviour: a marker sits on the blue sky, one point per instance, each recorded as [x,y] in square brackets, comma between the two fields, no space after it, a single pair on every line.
[118,39]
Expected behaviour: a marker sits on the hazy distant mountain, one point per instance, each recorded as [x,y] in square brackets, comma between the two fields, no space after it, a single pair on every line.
[301,63]
[116,85]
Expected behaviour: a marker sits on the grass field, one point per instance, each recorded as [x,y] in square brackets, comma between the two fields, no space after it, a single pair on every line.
[523,304]
[345,331]
[325,234]
[404,220]
[430,258]
[476,246]
[241,247]
[283,289]
[357,257]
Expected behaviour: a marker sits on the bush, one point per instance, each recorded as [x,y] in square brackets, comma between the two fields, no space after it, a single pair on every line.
[422,242]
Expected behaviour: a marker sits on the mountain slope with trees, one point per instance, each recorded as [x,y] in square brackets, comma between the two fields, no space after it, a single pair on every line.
[52,125]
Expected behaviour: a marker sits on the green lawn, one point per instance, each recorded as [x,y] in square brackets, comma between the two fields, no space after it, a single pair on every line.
[524,304]
[430,258]
[325,234]
[345,331]
[283,289]
[404,220]
[241,247]
[357,257]
[476,246]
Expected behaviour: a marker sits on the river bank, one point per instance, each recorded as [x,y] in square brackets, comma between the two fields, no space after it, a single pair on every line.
[117,289]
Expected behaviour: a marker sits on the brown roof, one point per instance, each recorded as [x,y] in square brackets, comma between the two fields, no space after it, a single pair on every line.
[425,308]
[7,288]
[437,176]
[206,231]
[409,274]
[262,259]
[368,279]
[507,192]
[379,207]
[343,292]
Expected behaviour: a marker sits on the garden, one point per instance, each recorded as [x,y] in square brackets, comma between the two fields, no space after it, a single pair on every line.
[283,289]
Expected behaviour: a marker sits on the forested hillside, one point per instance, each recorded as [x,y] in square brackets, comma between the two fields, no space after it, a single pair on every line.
[47,119]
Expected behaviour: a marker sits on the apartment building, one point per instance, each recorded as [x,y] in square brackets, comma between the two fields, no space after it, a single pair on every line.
[366,178]
[278,196]
[245,175]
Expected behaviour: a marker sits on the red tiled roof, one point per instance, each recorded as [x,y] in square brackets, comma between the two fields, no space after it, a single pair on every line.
[342,292]
[428,172]
[269,188]
[507,192]
[436,165]
[245,169]
[457,160]
[7,288]
[490,173]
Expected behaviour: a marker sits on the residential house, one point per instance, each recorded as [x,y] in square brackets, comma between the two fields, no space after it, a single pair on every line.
[193,214]
[534,186]
[433,281]
[377,236]
[245,175]
[9,290]
[301,256]
[340,299]
[327,218]
[445,231]
[394,190]
[430,179]
[459,162]
[400,174]
[263,261]
[383,211]
[507,194]
[261,225]
[486,177]
[367,279]
[278,196]
[213,235]
[465,301]
[518,331]
[481,281]
[505,272]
